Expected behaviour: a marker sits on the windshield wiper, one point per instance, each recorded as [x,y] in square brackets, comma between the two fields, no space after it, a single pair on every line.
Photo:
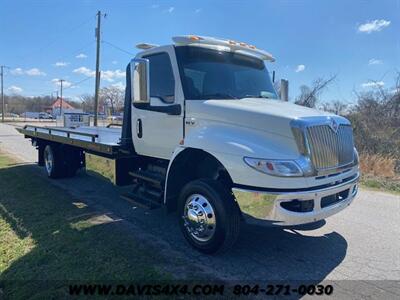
[219,96]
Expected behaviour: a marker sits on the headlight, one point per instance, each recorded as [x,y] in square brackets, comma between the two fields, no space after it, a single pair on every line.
[356,157]
[275,167]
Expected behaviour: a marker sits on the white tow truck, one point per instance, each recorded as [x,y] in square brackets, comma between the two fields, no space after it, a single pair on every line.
[205,134]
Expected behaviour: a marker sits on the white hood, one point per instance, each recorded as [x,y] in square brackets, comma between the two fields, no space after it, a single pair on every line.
[269,115]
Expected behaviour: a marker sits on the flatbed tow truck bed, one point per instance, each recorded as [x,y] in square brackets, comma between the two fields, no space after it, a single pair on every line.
[101,140]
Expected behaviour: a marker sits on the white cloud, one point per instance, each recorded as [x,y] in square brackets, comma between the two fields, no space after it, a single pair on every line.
[198,10]
[17,71]
[85,71]
[107,75]
[30,72]
[114,62]
[170,9]
[35,72]
[61,64]
[15,89]
[111,75]
[374,61]
[155,6]
[300,68]
[81,55]
[373,84]
[375,25]
[119,85]
[56,81]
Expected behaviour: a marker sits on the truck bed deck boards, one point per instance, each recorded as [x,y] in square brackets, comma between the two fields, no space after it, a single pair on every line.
[98,139]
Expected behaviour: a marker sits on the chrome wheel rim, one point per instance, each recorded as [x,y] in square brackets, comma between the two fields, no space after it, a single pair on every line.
[199,218]
[48,161]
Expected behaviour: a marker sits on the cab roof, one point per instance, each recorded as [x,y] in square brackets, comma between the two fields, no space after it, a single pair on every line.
[215,43]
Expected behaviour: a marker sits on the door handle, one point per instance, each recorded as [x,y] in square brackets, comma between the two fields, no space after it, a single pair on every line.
[139,129]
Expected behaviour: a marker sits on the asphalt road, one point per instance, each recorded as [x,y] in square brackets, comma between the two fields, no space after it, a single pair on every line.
[358,249]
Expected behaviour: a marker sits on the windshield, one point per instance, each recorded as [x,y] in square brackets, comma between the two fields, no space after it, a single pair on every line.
[212,74]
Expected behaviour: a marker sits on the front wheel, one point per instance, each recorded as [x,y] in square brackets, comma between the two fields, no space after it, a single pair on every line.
[208,215]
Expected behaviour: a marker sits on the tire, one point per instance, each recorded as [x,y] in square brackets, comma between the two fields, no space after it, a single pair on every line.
[59,162]
[217,209]
[72,162]
[53,162]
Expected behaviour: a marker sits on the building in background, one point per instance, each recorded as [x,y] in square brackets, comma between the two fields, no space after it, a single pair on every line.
[54,109]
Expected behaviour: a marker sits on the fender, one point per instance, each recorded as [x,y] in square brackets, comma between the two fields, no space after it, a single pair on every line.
[177,151]
[217,137]
[228,144]
[199,162]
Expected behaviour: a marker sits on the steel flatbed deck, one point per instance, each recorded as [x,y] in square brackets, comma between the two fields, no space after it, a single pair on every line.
[100,140]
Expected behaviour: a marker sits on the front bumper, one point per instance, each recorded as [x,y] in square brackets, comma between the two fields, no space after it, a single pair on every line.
[295,208]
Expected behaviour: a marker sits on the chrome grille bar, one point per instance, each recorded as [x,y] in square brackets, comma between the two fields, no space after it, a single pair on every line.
[329,149]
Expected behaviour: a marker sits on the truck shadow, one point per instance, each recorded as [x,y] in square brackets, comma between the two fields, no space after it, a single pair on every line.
[261,254]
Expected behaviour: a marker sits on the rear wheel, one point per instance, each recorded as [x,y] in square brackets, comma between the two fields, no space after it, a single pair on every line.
[60,162]
[52,162]
[209,216]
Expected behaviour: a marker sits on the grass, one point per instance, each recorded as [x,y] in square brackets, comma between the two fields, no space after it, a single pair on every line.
[378,165]
[100,166]
[379,173]
[47,237]
[380,184]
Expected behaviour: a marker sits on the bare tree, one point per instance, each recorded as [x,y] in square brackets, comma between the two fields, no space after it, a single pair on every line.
[87,102]
[309,96]
[376,121]
[19,104]
[337,107]
[114,97]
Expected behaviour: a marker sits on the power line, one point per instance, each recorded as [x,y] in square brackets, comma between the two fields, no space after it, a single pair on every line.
[65,31]
[82,48]
[118,48]
[77,83]
[51,43]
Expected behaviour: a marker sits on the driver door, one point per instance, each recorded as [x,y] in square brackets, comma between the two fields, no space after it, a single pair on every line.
[157,134]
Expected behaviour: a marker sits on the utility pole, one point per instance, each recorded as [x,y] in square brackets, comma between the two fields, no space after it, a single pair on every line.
[2,93]
[96,92]
[61,99]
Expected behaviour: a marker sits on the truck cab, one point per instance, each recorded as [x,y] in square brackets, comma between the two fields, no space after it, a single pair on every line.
[280,163]
[205,134]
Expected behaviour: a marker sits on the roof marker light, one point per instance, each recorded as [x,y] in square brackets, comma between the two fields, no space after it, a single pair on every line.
[195,38]
[145,46]
[222,45]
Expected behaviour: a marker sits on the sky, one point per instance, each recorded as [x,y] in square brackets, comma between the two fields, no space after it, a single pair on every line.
[42,41]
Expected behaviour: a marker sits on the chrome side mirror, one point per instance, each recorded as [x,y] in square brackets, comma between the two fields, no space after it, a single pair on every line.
[140,83]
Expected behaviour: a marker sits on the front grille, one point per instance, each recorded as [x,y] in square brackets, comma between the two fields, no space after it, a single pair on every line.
[329,149]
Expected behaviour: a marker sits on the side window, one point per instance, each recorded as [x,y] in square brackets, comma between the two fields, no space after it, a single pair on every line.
[194,82]
[162,82]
